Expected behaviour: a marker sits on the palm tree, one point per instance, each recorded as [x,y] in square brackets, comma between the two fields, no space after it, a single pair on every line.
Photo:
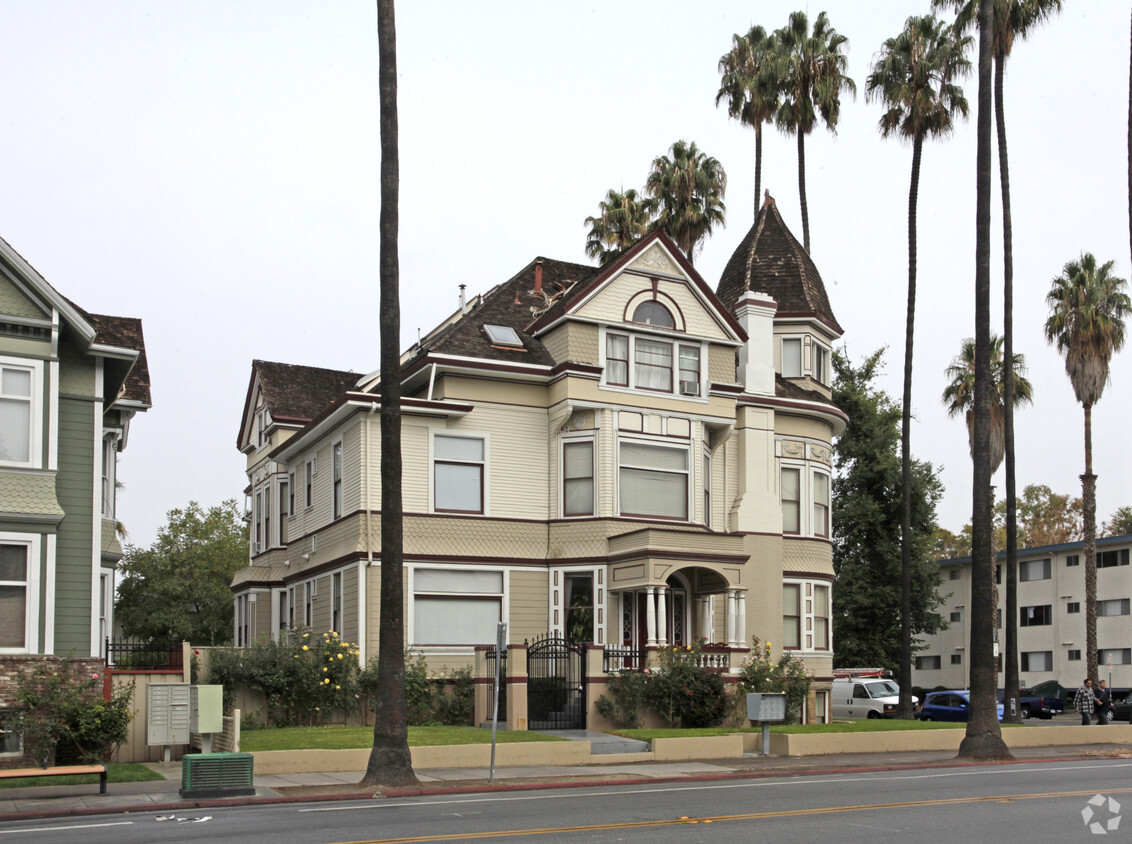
[959,394]
[1087,307]
[810,68]
[1012,18]
[389,761]
[688,189]
[751,88]
[624,219]
[983,737]
[913,76]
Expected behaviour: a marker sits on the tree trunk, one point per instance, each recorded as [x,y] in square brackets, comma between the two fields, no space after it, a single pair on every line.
[1012,708]
[905,681]
[390,762]
[759,165]
[983,739]
[802,190]
[1089,508]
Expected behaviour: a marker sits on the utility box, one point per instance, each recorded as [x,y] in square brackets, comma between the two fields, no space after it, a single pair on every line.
[168,720]
[766,706]
[217,775]
[206,710]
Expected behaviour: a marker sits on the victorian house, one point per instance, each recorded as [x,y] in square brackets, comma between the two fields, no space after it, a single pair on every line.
[619,455]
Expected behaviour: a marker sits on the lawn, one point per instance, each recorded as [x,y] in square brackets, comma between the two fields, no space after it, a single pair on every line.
[115,772]
[350,738]
[874,725]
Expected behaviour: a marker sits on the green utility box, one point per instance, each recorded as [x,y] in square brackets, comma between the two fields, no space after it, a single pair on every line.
[216,775]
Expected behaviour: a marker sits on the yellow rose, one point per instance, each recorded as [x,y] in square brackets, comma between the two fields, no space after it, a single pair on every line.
[339,656]
[324,668]
[326,681]
[305,648]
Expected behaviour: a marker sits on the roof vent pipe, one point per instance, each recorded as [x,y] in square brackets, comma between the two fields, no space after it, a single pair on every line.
[463,303]
[538,276]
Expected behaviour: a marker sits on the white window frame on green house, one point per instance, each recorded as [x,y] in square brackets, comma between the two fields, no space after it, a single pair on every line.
[449,449]
[29,586]
[19,403]
[463,604]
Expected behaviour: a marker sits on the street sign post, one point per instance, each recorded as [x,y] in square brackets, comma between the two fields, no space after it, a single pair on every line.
[500,644]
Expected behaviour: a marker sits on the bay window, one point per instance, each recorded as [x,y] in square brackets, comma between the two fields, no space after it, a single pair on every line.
[456,606]
[821,618]
[658,365]
[805,616]
[791,500]
[821,504]
[652,365]
[653,480]
[792,616]
[458,474]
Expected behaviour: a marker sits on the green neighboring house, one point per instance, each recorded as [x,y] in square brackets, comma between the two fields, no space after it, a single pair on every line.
[70,382]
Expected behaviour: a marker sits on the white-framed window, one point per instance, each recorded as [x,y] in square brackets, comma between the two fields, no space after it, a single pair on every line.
[336,602]
[1037,660]
[105,604]
[456,606]
[652,312]
[263,421]
[308,483]
[820,369]
[336,469]
[291,605]
[656,364]
[653,480]
[257,522]
[266,513]
[792,616]
[791,499]
[806,615]
[291,493]
[707,488]
[20,412]
[821,504]
[109,473]
[458,473]
[579,607]
[286,502]
[308,603]
[791,357]
[578,478]
[820,615]
[284,613]
[243,622]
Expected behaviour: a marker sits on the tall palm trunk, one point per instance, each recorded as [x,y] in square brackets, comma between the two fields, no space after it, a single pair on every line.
[802,190]
[389,761]
[1089,508]
[983,739]
[759,166]
[1012,708]
[905,680]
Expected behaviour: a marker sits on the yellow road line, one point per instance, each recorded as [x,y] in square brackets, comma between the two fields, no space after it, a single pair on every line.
[827,810]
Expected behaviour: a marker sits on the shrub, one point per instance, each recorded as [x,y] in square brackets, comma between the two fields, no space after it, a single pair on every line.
[430,700]
[64,714]
[760,673]
[626,699]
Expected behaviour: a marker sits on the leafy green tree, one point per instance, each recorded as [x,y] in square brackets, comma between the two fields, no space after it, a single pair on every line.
[180,587]
[867,512]
[623,220]
[688,190]
[1047,518]
[748,83]
[1119,523]
[1087,308]
[390,762]
[810,69]
[913,76]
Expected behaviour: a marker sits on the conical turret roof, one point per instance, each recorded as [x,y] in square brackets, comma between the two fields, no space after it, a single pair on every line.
[771,260]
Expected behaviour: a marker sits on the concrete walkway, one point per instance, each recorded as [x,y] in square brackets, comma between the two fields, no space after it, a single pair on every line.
[163,796]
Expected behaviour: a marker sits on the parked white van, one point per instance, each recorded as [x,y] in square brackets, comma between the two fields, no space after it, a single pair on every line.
[866,697]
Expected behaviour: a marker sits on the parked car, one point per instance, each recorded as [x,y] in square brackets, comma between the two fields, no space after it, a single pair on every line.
[1122,705]
[1031,704]
[866,697]
[952,705]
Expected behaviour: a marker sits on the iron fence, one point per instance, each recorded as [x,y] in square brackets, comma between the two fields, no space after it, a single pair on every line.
[130,655]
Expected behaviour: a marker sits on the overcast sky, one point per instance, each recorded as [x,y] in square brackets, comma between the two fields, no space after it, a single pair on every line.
[211,167]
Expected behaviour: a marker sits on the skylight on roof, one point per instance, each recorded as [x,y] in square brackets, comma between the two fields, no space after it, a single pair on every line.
[503,335]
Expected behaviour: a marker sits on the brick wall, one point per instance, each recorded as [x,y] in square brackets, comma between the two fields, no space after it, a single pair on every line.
[11,669]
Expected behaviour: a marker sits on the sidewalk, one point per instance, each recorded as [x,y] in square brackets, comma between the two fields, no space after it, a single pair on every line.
[162,796]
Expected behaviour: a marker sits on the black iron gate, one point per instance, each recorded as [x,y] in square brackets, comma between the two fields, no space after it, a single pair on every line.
[556,685]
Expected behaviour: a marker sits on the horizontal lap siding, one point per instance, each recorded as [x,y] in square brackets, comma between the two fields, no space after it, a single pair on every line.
[529,601]
[74,486]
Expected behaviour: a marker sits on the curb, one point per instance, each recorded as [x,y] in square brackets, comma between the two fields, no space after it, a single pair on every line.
[427,791]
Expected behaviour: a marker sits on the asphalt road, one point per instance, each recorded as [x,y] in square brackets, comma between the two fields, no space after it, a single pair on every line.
[1020,802]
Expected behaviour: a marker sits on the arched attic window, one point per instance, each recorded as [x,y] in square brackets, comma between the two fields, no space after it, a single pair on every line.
[653,313]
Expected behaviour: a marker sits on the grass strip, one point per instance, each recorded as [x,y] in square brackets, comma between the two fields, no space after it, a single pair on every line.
[351,738]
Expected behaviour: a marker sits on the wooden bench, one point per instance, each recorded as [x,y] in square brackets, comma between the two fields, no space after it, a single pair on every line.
[58,771]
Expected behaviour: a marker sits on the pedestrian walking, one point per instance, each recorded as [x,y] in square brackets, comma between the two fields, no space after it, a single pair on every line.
[1104,703]
[1085,702]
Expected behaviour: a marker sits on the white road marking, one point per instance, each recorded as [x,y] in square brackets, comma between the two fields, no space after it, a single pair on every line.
[64,828]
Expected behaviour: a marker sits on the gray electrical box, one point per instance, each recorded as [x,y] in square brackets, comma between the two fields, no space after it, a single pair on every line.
[168,714]
[766,706]
[206,711]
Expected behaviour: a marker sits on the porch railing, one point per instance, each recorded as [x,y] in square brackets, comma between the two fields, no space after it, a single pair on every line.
[127,655]
[616,658]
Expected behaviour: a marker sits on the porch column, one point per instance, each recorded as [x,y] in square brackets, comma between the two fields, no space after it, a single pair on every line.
[741,617]
[731,613]
[706,627]
[650,616]
[662,615]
